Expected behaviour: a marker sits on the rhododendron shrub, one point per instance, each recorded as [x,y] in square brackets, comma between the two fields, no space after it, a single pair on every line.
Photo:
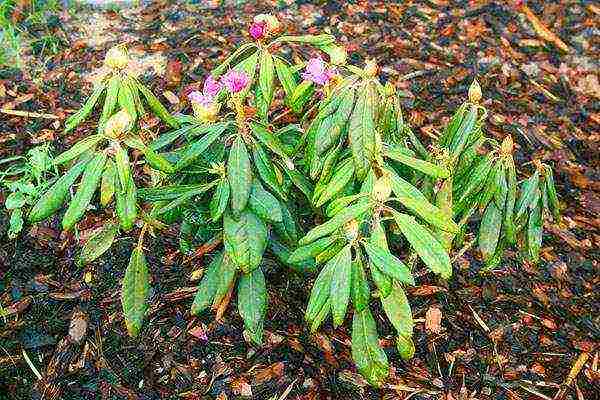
[299,160]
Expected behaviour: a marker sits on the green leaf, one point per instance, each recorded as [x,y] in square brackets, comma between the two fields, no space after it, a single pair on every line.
[83,196]
[112,92]
[16,223]
[476,178]
[208,286]
[158,161]
[334,223]
[225,279]
[338,181]
[252,302]
[301,94]
[369,357]
[466,127]
[156,106]
[245,240]
[382,281]
[341,203]
[87,108]
[361,293]
[310,250]
[511,194]
[266,76]
[423,166]
[135,291]
[77,149]
[122,165]
[98,243]
[14,200]
[56,195]
[126,206]
[286,229]
[411,198]
[361,131]
[319,293]
[266,171]
[322,314]
[341,280]
[429,249]
[535,227]
[198,147]
[489,230]
[300,182]
[270,141]
[388,263]
[285,76]
[405,346]
[397,309]
[234,56]
[264,204]
[126,100]
[528,194]
[108,183]
[552,195]
[239,172]
[171,192]
[219,200]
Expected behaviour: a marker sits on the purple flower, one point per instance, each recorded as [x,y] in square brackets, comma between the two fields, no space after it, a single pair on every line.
[317,72]
[258,30]
[235,81]
[211,86]
[200,98]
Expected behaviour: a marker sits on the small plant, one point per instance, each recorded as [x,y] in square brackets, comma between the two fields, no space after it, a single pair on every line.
[342,166]
[25,179]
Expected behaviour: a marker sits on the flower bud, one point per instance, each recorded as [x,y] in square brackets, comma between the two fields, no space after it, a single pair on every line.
[271,22]
[382,189]
[507,145]
[405,346]
[371,68]
[351,229]
[116,57]
[118,124]
[204,106]
[389,89]
[258,30]
[338,55]
[474,92]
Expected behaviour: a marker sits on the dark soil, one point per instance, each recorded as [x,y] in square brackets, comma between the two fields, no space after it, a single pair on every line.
[512,334]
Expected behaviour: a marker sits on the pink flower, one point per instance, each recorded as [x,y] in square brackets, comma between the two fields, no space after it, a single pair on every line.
[200,98]
[258,30]
[235,81]
[317,72]
[211,86]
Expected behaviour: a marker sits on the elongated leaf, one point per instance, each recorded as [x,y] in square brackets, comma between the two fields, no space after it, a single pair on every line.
[126,100]
[158,161]
[134,292]
[126,206]
[266,76]
[285,76]
[264,204]
[287,229]
[341,203]
[83,197]
[98,243]
[320,292]
[198,147]
[270,141]
[361,293]
[77,149]
[156,106]
[56,195]
[388,263]
[252,302]
[397,309]
[226,276]
[382,281]
[335,222]
[220,198]
[341,281]
[208,286]
[461,137]
[300,182]
[122,165]
[361,131]
[245,240]
[87,108]
[339,180]
[411,198]
[239,172]
[266,171]
[301,94]
[477,178]
[310,250]
[369,357]
[552,195]
[107,185]
[245,48]
[528,193]
[511,194]
[489,230]
[535,227]
[171,192]
[423,166]
[112,92]
[429,249]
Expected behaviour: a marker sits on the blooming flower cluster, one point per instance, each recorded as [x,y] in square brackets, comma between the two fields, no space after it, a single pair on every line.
[264,25]
[205,104]
[316,71]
